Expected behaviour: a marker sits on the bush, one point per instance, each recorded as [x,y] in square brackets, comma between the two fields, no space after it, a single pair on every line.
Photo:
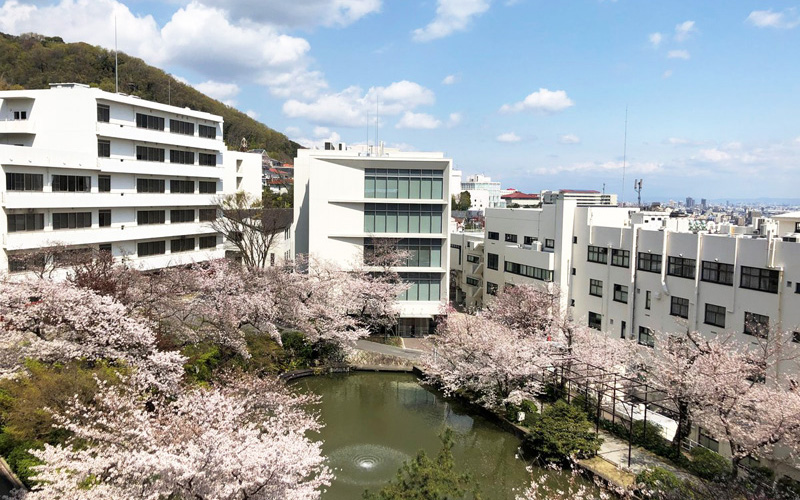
[298,353]
[788,488]
[709,465]
[562,431]
[658,482]
[526,406]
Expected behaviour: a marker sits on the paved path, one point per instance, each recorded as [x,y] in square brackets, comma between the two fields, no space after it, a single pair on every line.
[388,350]
[615,450]
[417,344]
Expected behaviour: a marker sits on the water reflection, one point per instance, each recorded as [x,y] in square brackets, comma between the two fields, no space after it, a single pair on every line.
[375,421]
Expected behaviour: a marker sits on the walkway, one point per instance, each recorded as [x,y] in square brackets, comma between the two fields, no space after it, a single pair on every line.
[388,350]
[615,450]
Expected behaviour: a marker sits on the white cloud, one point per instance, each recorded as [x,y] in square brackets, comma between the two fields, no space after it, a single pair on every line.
[569,139]
[655,39]
[787,19]
[684,30]
[318,142]
[454,119]
[224,92]
[678,54]
[508,137]
[252,114]
[322,132]
[451,16]
[678,141]
[603,168]
[292,131]
[305,13]
[350,107]
[543,100]
[713,155]
[667,74]
[450,80]
[418,121]
[797,140]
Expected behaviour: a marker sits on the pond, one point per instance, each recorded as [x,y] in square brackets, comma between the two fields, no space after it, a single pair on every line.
[376,421]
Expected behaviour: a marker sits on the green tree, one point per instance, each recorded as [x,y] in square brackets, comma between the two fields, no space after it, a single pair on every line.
[461,202]
[562,431]
[423,478]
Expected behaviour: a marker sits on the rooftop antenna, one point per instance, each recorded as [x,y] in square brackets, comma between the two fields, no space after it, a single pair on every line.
[624,154]
[637,186]
[116,59]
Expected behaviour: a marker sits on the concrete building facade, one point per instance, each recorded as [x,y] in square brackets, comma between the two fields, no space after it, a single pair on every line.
[86,168]
[346,198]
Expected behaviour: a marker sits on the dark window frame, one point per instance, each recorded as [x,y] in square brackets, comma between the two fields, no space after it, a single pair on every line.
[510,238]
[620,258]
[679,306]
[681,267]
[493,261]
[717,272]
[595,287]
[620,293]
[595,321]
[759,279]
[492,235]
[714,315]
[649,262]
[756,325]
[596,254]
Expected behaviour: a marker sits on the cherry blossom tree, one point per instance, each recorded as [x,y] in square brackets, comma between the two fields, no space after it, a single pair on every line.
[57,322]
[244,438]
[486,358]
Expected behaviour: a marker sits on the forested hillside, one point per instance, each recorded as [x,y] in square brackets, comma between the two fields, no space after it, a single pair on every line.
[33,61]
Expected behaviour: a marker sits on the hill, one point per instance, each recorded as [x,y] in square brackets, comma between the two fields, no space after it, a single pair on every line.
[34,61]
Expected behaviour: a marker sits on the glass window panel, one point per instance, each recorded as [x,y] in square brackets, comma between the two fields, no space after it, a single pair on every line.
[413,223]
[413,258]
[436,256]
[369,187]
[391,188]
[402,222]
[425,223]
[380,188]
[380,222]
[413,291]
[391,222]
[425,257]
[369,222]
[436,190]
[425,186]
[435,293]
[424,290]
[402,188]
[436,223]
[414,188]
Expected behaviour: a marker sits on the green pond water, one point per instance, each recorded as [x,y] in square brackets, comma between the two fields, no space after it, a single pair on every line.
[376,421]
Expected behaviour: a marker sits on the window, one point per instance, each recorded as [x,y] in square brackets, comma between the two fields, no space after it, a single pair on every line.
[103,148]
[178,216]
[574,240]
[492,261]
[207,159]
[595,321]
[151,248]
[103,113]
[646,337]
[680,267]
[145,153]
[402,218]
[149,121]
[622,328]
[717,272]
[473,259]
[511,238]
[181,245]
[473,281]
[621,293]
[104,247]
[796,337]
[491,288]
[756,325]
[208,132]
[104,218]
[715,315]
[596,288]
[24,182]
[208,241]
[181,127]
[493,235]
[598,254]
[528,240]
[536,273]
[150,185]
[650,262]
[647,299]
[150,217]
[208,187]
[422,286]
[620,258]
[72,220]
[178,186]
[705,440]
[679,307]
[548,243]
[403,183]
[25,222]
[208,214]
[422,252]
[764,280]
[72,183]
[182,157]
[104,183]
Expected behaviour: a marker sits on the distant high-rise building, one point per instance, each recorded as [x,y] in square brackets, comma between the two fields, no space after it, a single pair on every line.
[689,202]
[704,203]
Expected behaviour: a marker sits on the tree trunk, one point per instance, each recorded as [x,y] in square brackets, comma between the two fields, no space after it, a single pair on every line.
[683,427]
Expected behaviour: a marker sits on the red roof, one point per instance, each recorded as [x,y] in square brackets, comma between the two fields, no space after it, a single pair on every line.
[520,196]
[584,191]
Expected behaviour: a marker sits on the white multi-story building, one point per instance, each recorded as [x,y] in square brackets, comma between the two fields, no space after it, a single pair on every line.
[484,192]
[84,168]
[584,197]
[345,199]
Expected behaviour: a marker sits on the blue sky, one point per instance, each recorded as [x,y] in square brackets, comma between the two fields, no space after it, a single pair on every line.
[532,93]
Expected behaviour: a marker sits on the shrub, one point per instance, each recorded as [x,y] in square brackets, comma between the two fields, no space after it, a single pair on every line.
[709,465]
[658,482]
[526,406]
[560,432]
[298,353]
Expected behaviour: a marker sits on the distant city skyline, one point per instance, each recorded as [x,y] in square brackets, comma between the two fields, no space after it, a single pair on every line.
[532,93]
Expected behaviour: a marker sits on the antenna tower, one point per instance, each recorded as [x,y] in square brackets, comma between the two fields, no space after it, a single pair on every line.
[637,186]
